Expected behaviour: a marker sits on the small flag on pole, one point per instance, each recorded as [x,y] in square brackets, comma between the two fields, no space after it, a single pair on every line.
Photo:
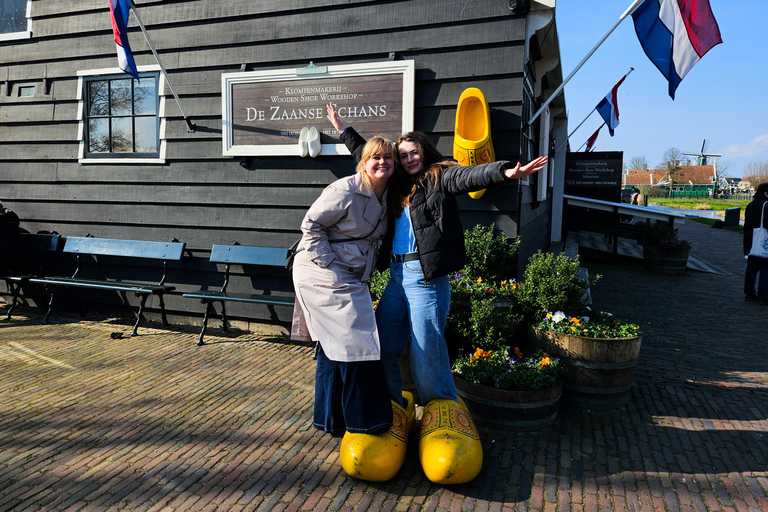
[120,10]
[593,138]
[609,106]
[675,34]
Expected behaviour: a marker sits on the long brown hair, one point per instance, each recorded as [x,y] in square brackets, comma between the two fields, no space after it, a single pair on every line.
[374,146]
[402,184]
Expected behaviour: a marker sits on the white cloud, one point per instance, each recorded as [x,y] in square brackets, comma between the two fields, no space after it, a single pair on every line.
[758,146]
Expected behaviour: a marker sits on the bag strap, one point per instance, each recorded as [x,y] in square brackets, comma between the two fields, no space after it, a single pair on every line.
[762,216]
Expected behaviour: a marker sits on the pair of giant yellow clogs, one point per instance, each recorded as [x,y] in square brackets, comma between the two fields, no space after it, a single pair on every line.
[449,445]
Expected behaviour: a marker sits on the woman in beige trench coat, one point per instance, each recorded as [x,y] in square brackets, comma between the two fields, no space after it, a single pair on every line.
[341,235]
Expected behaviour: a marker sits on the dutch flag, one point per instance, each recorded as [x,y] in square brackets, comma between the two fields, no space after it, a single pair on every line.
[675,34]
[120,10]
[609,106]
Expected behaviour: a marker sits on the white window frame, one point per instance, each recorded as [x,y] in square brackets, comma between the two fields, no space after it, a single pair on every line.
[24,34]
[90,73]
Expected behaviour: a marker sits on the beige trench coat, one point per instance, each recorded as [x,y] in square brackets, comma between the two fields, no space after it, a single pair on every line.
[333,302]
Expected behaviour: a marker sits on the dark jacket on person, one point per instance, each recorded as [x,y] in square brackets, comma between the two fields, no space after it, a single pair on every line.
[752,219]
[435,212]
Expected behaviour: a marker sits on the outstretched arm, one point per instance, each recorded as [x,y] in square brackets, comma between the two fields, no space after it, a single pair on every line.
[531,167]
[333,117]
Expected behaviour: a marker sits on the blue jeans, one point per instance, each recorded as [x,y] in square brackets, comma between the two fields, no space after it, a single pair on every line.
[411,307]
[350,397]
[756,265]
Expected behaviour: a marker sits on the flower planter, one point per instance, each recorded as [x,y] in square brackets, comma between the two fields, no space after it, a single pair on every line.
[510,410]
[600,370]
[665,261]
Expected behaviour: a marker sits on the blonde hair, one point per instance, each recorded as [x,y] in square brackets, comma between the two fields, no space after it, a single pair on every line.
[374,146]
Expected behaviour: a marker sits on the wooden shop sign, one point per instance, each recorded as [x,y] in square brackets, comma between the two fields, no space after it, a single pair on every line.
[263,112]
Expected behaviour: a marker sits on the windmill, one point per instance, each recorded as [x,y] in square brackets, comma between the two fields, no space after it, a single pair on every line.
[702,157]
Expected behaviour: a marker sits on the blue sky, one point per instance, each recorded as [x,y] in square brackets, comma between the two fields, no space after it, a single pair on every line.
[723,99]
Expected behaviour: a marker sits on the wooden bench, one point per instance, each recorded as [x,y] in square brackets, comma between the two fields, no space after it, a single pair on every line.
[32,248]
[240,255]
[138,249]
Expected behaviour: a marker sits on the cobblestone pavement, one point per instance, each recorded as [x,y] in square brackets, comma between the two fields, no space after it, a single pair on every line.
[92,423]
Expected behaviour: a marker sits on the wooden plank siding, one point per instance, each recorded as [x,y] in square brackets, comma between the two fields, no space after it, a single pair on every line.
[200,197]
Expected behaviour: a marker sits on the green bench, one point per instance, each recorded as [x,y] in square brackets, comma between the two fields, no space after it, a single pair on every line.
[32,247]
[106,247]
[240,255]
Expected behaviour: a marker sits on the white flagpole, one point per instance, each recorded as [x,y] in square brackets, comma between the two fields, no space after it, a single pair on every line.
[554,95]
[165,73]
[589,115]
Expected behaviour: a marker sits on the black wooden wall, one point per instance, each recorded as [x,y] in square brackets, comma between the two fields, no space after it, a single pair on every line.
[198,196]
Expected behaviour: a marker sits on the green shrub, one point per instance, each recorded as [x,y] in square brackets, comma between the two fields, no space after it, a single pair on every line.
[551,283]
[474,319]
[479,323]
[490,255]
[377,282]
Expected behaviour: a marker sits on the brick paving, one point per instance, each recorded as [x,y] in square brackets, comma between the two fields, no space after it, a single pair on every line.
[154,423]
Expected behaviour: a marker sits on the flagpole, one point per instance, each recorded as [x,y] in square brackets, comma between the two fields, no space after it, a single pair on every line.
[631,69]
[629,11]
[165,73]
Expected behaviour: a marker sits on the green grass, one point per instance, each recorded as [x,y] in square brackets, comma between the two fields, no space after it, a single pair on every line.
[699,204]
[711,222]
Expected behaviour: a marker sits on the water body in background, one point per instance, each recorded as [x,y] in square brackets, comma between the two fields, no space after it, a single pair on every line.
[708,214]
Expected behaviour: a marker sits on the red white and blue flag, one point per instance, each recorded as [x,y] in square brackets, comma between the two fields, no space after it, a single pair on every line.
[609,106]
[593,138]
[675,34]
[120,9]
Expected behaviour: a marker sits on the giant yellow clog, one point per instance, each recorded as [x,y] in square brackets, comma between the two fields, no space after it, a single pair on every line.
[378,457]
[472,138]
[449,445]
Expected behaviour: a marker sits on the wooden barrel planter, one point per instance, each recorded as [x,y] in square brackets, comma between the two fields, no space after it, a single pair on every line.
[600,371]
[665,261]
[510,410]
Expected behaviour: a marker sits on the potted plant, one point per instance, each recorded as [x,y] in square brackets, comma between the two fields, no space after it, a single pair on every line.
[599,351]
[508,389]
[663,250]
[501,386]
[483,311]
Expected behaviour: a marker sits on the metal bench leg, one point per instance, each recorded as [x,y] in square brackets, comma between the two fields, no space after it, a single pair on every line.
[162,309]
[224,317]
[208,307]
[135,331]
[50,306]
[15,289]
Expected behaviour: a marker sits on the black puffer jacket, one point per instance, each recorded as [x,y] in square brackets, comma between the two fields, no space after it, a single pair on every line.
[435,212]
[752,219]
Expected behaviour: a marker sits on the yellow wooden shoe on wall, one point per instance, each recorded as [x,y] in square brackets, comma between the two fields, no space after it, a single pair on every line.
[378,457]
[472,143]
[449,445]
